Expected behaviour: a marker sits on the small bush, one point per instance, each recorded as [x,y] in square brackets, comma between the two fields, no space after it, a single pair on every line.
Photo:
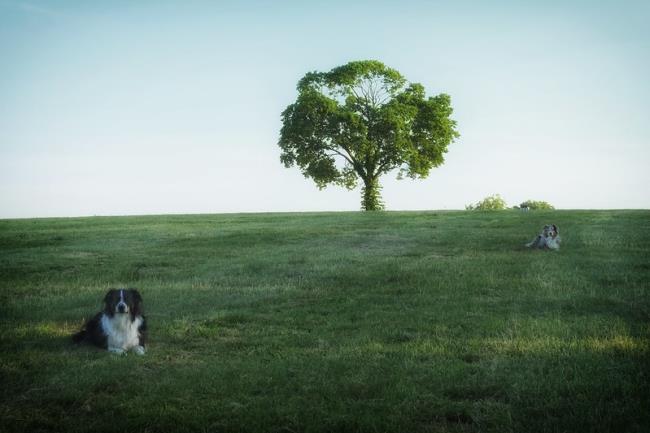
[493,202]
[535,205]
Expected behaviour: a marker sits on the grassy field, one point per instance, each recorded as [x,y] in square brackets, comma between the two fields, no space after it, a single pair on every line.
[390,321]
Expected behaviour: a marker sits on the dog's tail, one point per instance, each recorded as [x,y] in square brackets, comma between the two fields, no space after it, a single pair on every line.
[535,242]
[79,336]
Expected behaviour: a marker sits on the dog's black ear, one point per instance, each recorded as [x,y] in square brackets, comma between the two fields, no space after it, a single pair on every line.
[107,300]
[556,229]
[136,295]
[137,303]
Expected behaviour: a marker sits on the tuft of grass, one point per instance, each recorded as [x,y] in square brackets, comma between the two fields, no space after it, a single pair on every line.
[382,321]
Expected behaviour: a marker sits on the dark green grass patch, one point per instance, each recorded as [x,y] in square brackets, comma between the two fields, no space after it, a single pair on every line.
[389,321]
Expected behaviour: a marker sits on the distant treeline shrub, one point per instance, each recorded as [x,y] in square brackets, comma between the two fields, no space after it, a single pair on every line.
[493,202]
[535,205]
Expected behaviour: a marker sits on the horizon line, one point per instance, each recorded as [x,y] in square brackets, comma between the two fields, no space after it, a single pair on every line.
[172,214]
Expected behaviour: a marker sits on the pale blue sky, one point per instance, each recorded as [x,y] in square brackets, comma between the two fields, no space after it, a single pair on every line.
[174,107]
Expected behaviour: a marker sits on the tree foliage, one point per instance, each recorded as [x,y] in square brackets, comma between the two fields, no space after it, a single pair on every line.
[536,205]
[493,202]
[361,120]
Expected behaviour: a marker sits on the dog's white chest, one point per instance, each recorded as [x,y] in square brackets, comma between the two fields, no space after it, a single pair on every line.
[122,333]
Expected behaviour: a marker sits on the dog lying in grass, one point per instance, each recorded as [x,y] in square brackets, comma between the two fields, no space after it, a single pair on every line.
[120,326]
[549,238]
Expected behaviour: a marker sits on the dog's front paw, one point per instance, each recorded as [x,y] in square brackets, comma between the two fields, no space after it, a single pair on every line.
[139,350]
[117,350]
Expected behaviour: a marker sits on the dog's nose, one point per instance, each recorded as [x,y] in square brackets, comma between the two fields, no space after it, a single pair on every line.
[121,308]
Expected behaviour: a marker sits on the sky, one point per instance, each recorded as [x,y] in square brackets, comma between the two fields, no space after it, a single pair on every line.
[167,107]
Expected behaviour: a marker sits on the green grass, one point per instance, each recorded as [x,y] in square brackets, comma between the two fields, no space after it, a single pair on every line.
[402,322]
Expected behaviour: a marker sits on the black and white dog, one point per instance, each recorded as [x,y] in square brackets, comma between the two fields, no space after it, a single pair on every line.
[120,327]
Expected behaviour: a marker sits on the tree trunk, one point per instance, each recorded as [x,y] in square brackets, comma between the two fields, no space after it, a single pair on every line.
[371,196]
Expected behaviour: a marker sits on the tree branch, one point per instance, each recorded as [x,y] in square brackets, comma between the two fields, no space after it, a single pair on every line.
[381,168]
[347,158]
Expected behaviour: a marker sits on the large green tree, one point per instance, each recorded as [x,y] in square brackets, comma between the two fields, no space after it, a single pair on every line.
[361,120]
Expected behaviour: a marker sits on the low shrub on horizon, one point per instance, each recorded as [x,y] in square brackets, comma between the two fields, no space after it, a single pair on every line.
[493,202]
[535,205]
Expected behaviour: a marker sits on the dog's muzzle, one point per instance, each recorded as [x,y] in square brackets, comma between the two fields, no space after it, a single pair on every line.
[121,306]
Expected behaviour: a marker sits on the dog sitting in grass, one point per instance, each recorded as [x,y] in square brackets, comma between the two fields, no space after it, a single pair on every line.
[549,238]
[120,326]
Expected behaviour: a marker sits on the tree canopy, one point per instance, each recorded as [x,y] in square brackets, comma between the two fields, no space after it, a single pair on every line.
[361,120]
